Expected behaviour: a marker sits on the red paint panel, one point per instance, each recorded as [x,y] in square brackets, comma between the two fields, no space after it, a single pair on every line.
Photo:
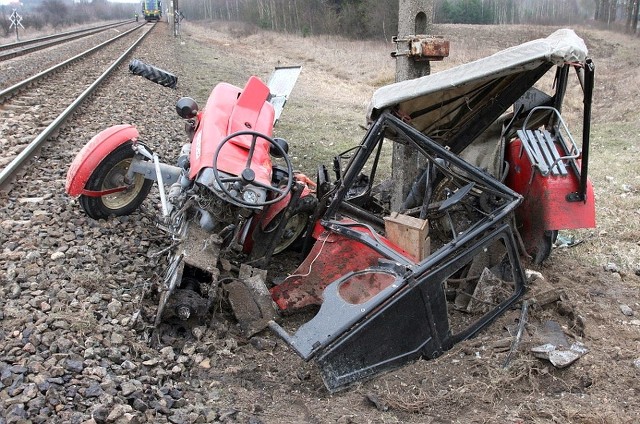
[332,256]
[545,205]
[230,109]
[252,111]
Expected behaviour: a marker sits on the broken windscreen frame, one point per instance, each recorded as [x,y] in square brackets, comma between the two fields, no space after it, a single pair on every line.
[360,295]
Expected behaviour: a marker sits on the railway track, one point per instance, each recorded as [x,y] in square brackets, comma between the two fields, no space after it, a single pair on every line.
[32,110]
[20,48]
[21,67]
[59,267]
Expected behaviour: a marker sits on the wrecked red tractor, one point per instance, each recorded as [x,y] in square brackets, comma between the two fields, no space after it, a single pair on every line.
[392,283]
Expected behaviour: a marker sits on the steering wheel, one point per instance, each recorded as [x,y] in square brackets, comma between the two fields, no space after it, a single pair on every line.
[248,175]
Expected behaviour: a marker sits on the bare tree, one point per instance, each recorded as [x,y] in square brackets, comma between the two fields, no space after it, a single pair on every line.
[606,11]
[54,11]
[631,25]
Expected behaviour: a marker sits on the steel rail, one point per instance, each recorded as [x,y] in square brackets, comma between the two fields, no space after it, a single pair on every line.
[27,50]
[10,91]
[25,154]
[19,44]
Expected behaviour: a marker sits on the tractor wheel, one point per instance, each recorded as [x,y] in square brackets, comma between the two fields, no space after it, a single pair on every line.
[111,173]
[544,246]
[296,225]
[152,73]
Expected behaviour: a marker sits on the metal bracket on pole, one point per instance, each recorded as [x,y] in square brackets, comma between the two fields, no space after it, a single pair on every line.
[421,47]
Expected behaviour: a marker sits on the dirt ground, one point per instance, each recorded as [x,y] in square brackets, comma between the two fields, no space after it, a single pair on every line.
[596,281]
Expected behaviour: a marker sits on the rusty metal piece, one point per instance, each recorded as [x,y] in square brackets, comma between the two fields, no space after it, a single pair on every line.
[516,341]
[540,300]
[201,249]
[422,47]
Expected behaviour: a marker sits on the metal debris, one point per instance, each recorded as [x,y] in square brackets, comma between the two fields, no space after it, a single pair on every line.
[556,348]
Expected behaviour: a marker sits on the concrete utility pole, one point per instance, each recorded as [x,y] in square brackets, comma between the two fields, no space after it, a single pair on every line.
[414,17]
[175,18]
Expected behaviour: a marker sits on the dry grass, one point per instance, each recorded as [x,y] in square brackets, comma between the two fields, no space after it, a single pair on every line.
[327,108]
[328,104]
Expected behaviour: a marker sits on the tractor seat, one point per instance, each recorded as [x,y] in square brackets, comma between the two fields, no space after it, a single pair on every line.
[542,152]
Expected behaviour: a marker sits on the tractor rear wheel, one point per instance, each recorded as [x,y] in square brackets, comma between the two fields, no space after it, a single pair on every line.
[295,226]
[543,248]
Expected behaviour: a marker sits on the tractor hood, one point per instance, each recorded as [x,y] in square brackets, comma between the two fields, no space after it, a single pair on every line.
[456,105]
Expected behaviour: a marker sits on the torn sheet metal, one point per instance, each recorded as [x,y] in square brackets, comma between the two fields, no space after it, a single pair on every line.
[556,348]
[560,356]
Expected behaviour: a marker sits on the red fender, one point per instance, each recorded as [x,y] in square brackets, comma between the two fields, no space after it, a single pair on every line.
[93,153]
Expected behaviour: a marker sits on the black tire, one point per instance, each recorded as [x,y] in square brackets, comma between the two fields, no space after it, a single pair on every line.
[152,73]
[542,251]
[294,228]
[110,173]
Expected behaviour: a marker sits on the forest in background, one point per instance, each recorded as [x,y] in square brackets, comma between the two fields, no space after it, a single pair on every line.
[60,13]
[360,19]
[367,19]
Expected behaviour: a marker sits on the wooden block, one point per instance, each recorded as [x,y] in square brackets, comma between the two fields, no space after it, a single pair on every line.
[409,233]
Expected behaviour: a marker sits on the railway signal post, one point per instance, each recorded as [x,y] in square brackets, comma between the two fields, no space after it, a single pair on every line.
[16,21]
